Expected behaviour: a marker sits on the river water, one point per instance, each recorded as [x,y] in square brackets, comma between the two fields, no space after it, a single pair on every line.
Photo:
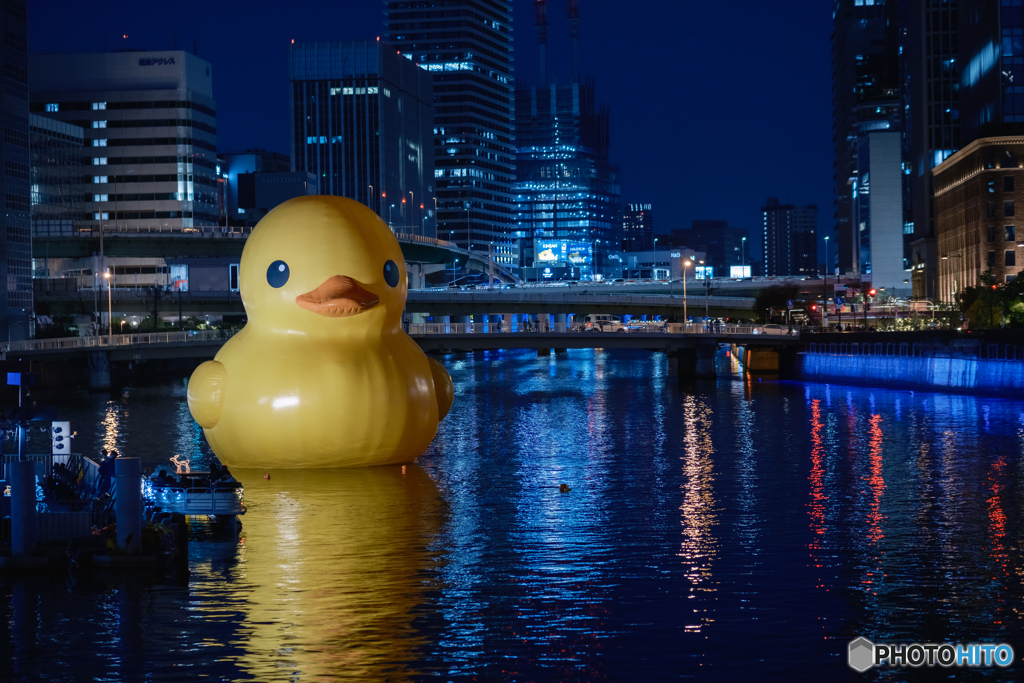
[729,530]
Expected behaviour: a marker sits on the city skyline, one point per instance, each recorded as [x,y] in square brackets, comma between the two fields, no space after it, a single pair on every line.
[759,125]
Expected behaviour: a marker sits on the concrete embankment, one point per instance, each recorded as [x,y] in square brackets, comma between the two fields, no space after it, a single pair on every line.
[978,363]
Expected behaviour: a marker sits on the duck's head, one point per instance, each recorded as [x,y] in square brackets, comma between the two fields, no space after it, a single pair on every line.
[322,265]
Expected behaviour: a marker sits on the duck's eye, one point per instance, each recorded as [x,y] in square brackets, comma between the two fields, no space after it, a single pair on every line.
[277,274]
[391,274]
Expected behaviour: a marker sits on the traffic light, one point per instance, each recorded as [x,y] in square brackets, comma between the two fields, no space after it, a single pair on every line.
[814,307]
[872,292]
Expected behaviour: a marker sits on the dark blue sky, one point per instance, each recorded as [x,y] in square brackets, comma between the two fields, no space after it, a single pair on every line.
[715,105]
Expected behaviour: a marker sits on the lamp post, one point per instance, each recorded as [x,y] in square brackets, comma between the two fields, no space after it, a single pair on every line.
[743,257]
[370,196]
[824,290]
[390,224]
[110,332]
[412,206]
[686,264]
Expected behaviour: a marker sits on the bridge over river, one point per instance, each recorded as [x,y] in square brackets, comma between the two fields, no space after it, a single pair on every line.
[60,361]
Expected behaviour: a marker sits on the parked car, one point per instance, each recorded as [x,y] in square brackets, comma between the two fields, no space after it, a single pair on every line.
[772,329]
[603,323]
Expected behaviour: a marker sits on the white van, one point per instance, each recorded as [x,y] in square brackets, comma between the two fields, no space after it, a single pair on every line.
[603,323]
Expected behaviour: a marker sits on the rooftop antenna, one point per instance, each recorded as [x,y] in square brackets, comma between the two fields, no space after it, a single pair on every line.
[540,9]
[574,35]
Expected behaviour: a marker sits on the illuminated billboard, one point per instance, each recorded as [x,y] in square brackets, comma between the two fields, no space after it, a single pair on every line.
[564,251]
[739,271]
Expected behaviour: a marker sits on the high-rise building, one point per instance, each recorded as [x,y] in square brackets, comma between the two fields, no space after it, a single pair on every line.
[361,122]
[930,47]
[151,131]
[637,228]
[57,169]
[724,246]
[878,211]
[15,232]
[789,231]
[566,189]
[865,91]
[992,68]
[466,45]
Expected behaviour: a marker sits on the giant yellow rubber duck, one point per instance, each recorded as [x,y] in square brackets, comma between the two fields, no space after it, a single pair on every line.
[322,375]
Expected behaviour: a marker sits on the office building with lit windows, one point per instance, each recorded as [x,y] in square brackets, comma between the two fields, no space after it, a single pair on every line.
[865,77]
[976,197]
[567,191]
[466,45]
[15,231]
[150,134]
[788,232]
[361,123]
[930,54]
[637,228]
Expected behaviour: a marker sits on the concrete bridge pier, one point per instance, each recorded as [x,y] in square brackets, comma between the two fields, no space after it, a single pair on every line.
[683,363]
[761,361]
[417,273]
[99,371]
[705,366]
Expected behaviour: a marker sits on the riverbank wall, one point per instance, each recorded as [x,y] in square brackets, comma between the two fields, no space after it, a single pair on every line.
[973,364]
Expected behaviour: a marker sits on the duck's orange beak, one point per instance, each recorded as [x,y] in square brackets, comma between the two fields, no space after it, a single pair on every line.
[338,297]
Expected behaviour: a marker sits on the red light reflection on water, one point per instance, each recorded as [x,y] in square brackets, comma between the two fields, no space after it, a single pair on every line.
[818,497]
[875,480]
[996,516]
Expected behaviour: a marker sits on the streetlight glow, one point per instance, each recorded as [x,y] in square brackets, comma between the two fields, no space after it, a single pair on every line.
[110,318]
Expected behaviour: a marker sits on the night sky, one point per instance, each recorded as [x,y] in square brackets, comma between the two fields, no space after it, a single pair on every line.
[715,106]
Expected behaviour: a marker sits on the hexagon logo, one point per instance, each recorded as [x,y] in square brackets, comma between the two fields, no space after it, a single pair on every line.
[862,654]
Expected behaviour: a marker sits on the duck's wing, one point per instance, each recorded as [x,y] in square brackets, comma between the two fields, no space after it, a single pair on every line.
[443,388]
[206,389]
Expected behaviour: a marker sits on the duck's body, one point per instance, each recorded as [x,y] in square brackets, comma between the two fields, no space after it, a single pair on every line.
[322,375]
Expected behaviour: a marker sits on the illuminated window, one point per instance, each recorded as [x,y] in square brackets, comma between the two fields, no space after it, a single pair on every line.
[99,124]
[100,198]
[99,161]
[98,106]
[101,216]
[101,142]
[103,179]
[335,91]
[53,106]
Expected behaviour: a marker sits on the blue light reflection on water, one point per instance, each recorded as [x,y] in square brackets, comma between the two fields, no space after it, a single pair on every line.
[711,531]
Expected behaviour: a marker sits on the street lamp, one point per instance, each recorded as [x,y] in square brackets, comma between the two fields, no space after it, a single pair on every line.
[412,206]
[686,264]
[110,332]
[390,224]
[824,290]
[370,196]
[743,256]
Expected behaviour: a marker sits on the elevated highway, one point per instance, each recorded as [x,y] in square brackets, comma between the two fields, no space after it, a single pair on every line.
[225,243]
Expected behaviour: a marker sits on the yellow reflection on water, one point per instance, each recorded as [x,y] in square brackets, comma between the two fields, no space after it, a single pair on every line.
[698,549]
[333,569]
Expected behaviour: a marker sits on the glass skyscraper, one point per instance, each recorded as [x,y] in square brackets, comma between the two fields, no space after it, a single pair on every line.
[466,45]
[865,78]
[567,192]
[15,236]
[361,122]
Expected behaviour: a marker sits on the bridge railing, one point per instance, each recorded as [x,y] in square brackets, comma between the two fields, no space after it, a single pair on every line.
[115,340]
[568,328]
